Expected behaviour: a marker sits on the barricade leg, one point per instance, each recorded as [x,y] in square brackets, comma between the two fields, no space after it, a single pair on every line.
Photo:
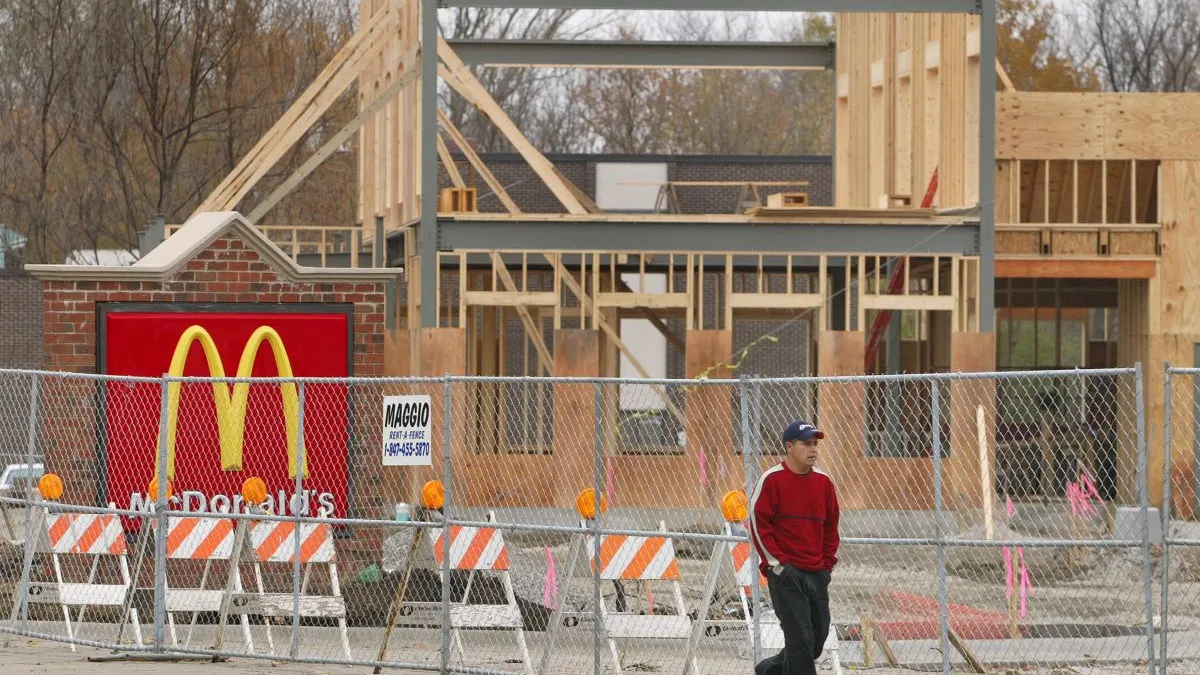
[521,644]
[127,578]
[337,593]
[195,615]
[721,550]
[258,577]
[91,580]
[577,545]
[237,586]
[171,615]
[58,577]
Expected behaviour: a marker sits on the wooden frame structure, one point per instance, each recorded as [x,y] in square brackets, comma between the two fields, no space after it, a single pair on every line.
[1057,187]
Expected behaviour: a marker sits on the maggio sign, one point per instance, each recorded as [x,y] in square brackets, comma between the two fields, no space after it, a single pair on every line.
[220,433]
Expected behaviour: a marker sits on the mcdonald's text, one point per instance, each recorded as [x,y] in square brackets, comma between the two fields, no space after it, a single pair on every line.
[280,503]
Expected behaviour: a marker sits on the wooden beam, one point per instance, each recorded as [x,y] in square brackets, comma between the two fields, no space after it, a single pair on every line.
[510,298]
[776,300]
[477,163]
[967,654]
[330,146]
[908,302]
[585,304]
[1109,268]
[531,327]
[298,118]
[448,162]
[1004,78]
[656,320]
[461,79]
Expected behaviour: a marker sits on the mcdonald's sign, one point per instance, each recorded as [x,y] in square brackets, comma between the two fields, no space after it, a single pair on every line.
[220,433]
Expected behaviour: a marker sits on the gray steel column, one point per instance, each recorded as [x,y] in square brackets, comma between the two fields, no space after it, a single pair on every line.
[428,232]
[893,434]
[987,166]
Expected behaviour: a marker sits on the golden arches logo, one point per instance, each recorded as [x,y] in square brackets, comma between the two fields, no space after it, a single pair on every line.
[231,408]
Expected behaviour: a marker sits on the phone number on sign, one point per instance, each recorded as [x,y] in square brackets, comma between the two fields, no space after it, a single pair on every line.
[406,449]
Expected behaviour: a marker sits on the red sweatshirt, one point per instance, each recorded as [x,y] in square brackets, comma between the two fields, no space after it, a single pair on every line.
[794,520]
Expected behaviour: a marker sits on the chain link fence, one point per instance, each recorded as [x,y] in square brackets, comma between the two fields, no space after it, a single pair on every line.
[997,520]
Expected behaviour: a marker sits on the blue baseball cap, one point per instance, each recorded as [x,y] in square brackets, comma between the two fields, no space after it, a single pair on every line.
[801,431]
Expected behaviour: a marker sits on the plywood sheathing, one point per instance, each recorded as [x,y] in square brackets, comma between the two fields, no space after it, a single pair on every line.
[709,414]
[1179,325]
[576,354]
[863,483]
[969,353]
[1057,125]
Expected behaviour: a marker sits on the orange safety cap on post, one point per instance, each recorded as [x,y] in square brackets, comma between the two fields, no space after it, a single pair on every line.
[50,487]
[735,507]
[254,490]
[585,503]
[433,495]
[152,488]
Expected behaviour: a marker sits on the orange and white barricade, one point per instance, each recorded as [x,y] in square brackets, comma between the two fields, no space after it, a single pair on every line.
[644,558]
[737,559]
[78,535]
[274,542]
[206,539]
[480,549]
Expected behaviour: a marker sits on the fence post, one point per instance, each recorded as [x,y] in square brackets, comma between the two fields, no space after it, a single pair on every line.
[31,526]
[1164,614]
[750,463]
[939,528]
[447,483]
[160,517]
[1143,480]
[597,484]
[297,506]
[756,453]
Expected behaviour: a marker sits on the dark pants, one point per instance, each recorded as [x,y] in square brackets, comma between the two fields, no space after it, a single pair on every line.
[801,602]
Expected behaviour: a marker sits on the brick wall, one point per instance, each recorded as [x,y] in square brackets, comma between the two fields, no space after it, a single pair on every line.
[20,320]
[20,348]
[229,271]
[532,195]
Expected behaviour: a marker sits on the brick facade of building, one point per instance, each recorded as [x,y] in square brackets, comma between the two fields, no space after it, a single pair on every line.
[20,320]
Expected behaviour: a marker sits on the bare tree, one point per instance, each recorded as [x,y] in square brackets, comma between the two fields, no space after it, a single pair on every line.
[41,48]
[713,112]
[1143,45]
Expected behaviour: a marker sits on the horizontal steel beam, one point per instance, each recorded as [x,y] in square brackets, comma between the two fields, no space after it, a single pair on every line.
[940,6]
[632,54]
[708,237]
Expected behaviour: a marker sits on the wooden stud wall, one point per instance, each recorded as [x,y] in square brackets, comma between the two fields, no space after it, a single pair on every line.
[389,148]
[907,104]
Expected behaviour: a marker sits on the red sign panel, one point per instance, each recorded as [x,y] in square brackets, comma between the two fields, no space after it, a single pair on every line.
[143,344]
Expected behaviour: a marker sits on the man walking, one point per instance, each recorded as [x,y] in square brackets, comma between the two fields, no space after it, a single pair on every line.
[794,526]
